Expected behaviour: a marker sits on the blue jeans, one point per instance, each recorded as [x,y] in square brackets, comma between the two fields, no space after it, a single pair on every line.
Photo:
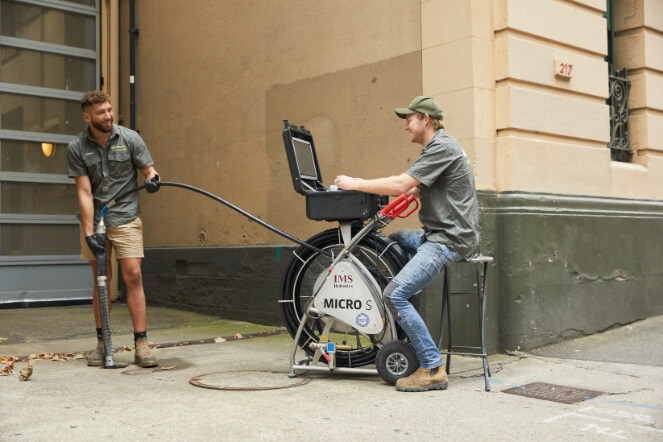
[427,260]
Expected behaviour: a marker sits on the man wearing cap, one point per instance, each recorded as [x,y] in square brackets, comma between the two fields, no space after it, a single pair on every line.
[443,179]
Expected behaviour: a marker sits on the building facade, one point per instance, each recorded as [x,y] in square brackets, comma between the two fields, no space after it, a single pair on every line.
[558,104]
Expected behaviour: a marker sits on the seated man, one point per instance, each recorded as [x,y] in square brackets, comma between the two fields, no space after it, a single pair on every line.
[443,179]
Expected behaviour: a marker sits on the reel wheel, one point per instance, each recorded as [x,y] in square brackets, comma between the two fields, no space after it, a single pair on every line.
[395,360]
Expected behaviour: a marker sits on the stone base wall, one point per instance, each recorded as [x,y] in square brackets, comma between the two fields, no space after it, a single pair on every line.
[564,267]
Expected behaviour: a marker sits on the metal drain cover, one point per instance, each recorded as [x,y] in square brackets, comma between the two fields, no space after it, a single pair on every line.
[555,393]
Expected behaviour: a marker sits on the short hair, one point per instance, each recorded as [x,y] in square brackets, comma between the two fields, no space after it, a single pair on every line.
[94,97]
[437,124]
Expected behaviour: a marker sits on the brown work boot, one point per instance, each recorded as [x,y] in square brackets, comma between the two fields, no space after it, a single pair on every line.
[96,358]
[424,379]
[144,358]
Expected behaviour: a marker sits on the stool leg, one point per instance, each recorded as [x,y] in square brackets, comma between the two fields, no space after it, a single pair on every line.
[481,291]
[445,295]
[447,286]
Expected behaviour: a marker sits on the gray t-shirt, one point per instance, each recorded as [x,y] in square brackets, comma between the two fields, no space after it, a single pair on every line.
[112,170]
[449,208]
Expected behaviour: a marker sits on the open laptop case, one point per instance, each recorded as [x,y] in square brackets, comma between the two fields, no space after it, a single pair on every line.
[322,203]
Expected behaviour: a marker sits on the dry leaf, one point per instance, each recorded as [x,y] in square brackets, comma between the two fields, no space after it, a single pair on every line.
[170,367]
[26,372]
[5,359]
[8,368]
[239,336]
[219,339]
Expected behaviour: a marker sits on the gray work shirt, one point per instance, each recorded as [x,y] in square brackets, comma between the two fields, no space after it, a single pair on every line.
[112,170]
[449,208]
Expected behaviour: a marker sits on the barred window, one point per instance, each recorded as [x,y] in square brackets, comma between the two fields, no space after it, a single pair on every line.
[620,85]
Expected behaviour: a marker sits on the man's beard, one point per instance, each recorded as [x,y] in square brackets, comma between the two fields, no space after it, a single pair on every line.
[101,127]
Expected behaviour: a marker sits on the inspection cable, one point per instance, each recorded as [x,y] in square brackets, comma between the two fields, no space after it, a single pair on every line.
[225,203]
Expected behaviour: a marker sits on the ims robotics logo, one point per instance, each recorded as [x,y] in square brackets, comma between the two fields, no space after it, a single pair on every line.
[343,281]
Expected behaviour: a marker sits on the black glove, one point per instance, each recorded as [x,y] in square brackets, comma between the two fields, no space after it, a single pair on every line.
[152,185]
[95,245]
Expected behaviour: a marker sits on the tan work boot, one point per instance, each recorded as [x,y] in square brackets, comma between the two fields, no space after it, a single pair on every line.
[424,379]
[144,358]
[96,358]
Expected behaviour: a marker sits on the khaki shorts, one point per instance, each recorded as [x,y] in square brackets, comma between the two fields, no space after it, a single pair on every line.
[126,240]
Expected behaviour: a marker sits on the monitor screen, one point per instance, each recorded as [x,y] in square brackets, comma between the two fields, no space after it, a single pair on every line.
[304,158]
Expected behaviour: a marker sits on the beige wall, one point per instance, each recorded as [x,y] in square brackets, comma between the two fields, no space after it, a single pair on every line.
[457,57]
[552,131]
[214,82]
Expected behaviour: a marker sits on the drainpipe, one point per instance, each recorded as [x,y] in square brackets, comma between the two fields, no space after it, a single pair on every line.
[133,32]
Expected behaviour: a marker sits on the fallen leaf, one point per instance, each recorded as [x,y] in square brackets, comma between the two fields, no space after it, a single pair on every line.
[8,368]
[170,367]
[219,339]
[26,372]
[239,336]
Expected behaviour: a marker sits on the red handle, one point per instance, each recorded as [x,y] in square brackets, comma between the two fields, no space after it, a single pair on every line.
[397,206]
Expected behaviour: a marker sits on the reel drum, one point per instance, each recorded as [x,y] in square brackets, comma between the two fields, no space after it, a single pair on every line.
[380,256]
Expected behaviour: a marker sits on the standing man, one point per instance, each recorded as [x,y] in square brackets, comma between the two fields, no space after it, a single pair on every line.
[103,160]
[442,177]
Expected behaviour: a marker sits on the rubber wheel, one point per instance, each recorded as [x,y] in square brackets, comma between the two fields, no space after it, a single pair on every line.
[395,360]
[381,256]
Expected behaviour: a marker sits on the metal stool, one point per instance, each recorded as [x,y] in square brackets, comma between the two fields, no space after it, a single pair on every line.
[481,263]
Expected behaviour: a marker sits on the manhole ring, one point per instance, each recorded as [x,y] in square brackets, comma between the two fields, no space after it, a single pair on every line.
[199,382]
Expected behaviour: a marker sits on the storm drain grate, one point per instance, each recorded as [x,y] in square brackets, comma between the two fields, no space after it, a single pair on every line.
[555,393]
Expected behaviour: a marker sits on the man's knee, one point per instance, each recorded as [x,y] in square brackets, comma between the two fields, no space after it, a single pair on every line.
[132,276]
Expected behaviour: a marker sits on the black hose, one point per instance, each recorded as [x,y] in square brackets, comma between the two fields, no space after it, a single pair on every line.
[109,361]
[225,203]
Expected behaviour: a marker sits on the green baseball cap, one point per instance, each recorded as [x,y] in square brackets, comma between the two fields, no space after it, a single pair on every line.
[422,105]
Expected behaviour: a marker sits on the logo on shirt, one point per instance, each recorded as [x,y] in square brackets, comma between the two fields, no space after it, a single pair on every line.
[119,148]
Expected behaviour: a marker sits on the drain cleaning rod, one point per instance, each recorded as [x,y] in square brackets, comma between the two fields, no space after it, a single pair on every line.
[225,203]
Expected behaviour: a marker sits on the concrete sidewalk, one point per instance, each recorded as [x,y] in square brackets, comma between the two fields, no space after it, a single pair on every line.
[66,400]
